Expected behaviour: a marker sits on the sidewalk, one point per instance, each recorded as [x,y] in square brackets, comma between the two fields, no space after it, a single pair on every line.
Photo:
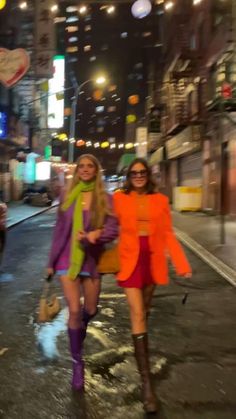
[205,230]
[18,212]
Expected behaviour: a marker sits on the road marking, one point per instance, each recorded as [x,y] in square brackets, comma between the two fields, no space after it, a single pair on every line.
[220,267]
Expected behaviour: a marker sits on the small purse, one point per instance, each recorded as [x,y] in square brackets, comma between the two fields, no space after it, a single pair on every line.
[49,304]
[109,260]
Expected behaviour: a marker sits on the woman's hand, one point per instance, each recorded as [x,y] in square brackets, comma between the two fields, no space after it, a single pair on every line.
[81,236]
[93,236]
[187,275]
[50,272]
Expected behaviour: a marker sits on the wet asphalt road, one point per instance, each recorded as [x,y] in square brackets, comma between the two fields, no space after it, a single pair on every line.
[193,346]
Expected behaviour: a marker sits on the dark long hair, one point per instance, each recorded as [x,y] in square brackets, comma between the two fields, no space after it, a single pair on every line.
[151,186]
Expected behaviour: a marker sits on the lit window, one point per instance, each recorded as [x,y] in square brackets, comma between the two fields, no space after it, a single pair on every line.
[111,9]
[87,18]
[93,58]
[100,109]
[87,48]
[72,19]
[72,29]
[73,59]
[72,49]
[124,35]
[146,34]
[59,19]
[138,65]
[87,28]
[100,129]
[73,39]
[104,47]
[101,123]
[71,9]
[83,10]
[111,109]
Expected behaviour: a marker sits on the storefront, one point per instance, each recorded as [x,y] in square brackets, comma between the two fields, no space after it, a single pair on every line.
[13,136]
[185,158]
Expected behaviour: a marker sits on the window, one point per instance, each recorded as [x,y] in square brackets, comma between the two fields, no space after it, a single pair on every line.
[73,39]
[100,109]
[111,109]
[72,29]
[87,48]
[71,9]
[87,28]
[72,19]
[72,49]
[146,34]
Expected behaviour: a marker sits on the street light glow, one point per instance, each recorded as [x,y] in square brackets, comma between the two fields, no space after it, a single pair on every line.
[196,2]
[54,8]
[100,80]
[23,5]
[111,9]
[83,10]
[169,5]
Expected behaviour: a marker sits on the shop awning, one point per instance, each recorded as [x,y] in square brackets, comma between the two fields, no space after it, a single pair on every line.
[125,161]
[157,156]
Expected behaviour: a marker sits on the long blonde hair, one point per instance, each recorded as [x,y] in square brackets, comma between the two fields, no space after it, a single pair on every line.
[100,206]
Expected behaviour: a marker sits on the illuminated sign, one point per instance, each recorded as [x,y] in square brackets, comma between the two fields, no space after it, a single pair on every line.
[43,170]
[56,84]
[3,125]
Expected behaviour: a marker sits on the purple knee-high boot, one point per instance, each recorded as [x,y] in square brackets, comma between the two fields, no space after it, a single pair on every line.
[76,337]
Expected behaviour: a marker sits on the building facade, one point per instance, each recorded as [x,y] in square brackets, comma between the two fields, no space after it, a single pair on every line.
[197,146]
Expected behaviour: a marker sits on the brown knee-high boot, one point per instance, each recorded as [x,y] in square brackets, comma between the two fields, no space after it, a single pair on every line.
[141,354]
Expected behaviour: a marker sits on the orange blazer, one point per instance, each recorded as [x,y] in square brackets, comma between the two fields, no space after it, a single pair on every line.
[162,239]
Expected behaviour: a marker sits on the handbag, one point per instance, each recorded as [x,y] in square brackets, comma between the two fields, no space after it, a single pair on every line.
[49,304]
[109,260]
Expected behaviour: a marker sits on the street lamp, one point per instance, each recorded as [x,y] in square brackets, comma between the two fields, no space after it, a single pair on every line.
[100,80]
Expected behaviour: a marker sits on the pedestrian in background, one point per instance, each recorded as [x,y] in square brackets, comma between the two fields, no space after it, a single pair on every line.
[85,223]
[146,236]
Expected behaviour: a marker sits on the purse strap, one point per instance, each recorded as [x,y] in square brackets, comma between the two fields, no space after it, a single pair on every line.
[47,286]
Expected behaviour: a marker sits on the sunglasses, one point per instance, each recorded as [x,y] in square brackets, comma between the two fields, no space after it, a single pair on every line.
[140,173]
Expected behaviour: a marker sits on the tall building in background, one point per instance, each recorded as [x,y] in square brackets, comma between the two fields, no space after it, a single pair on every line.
[108,40]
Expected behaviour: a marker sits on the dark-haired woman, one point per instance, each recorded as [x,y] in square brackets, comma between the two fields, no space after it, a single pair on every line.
[146,236]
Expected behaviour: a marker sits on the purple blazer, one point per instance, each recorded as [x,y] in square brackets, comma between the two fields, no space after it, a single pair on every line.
[59,258]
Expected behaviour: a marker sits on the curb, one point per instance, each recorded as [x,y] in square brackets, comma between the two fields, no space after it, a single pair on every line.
[21,220]
[215,263]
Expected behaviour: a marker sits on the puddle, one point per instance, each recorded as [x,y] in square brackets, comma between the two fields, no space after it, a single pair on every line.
[47,334]
[5,278]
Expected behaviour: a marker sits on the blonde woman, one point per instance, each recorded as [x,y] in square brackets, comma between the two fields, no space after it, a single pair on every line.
[84,224]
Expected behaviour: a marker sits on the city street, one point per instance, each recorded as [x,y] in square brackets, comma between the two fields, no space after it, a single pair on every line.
[192,345]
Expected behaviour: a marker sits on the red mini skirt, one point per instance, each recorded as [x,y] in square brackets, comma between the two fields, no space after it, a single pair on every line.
[141,277]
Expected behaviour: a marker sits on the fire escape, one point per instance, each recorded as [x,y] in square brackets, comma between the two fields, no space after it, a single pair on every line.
[183,71]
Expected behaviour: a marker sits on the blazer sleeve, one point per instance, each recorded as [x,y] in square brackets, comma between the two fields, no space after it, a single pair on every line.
[173,246]
[58,234]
